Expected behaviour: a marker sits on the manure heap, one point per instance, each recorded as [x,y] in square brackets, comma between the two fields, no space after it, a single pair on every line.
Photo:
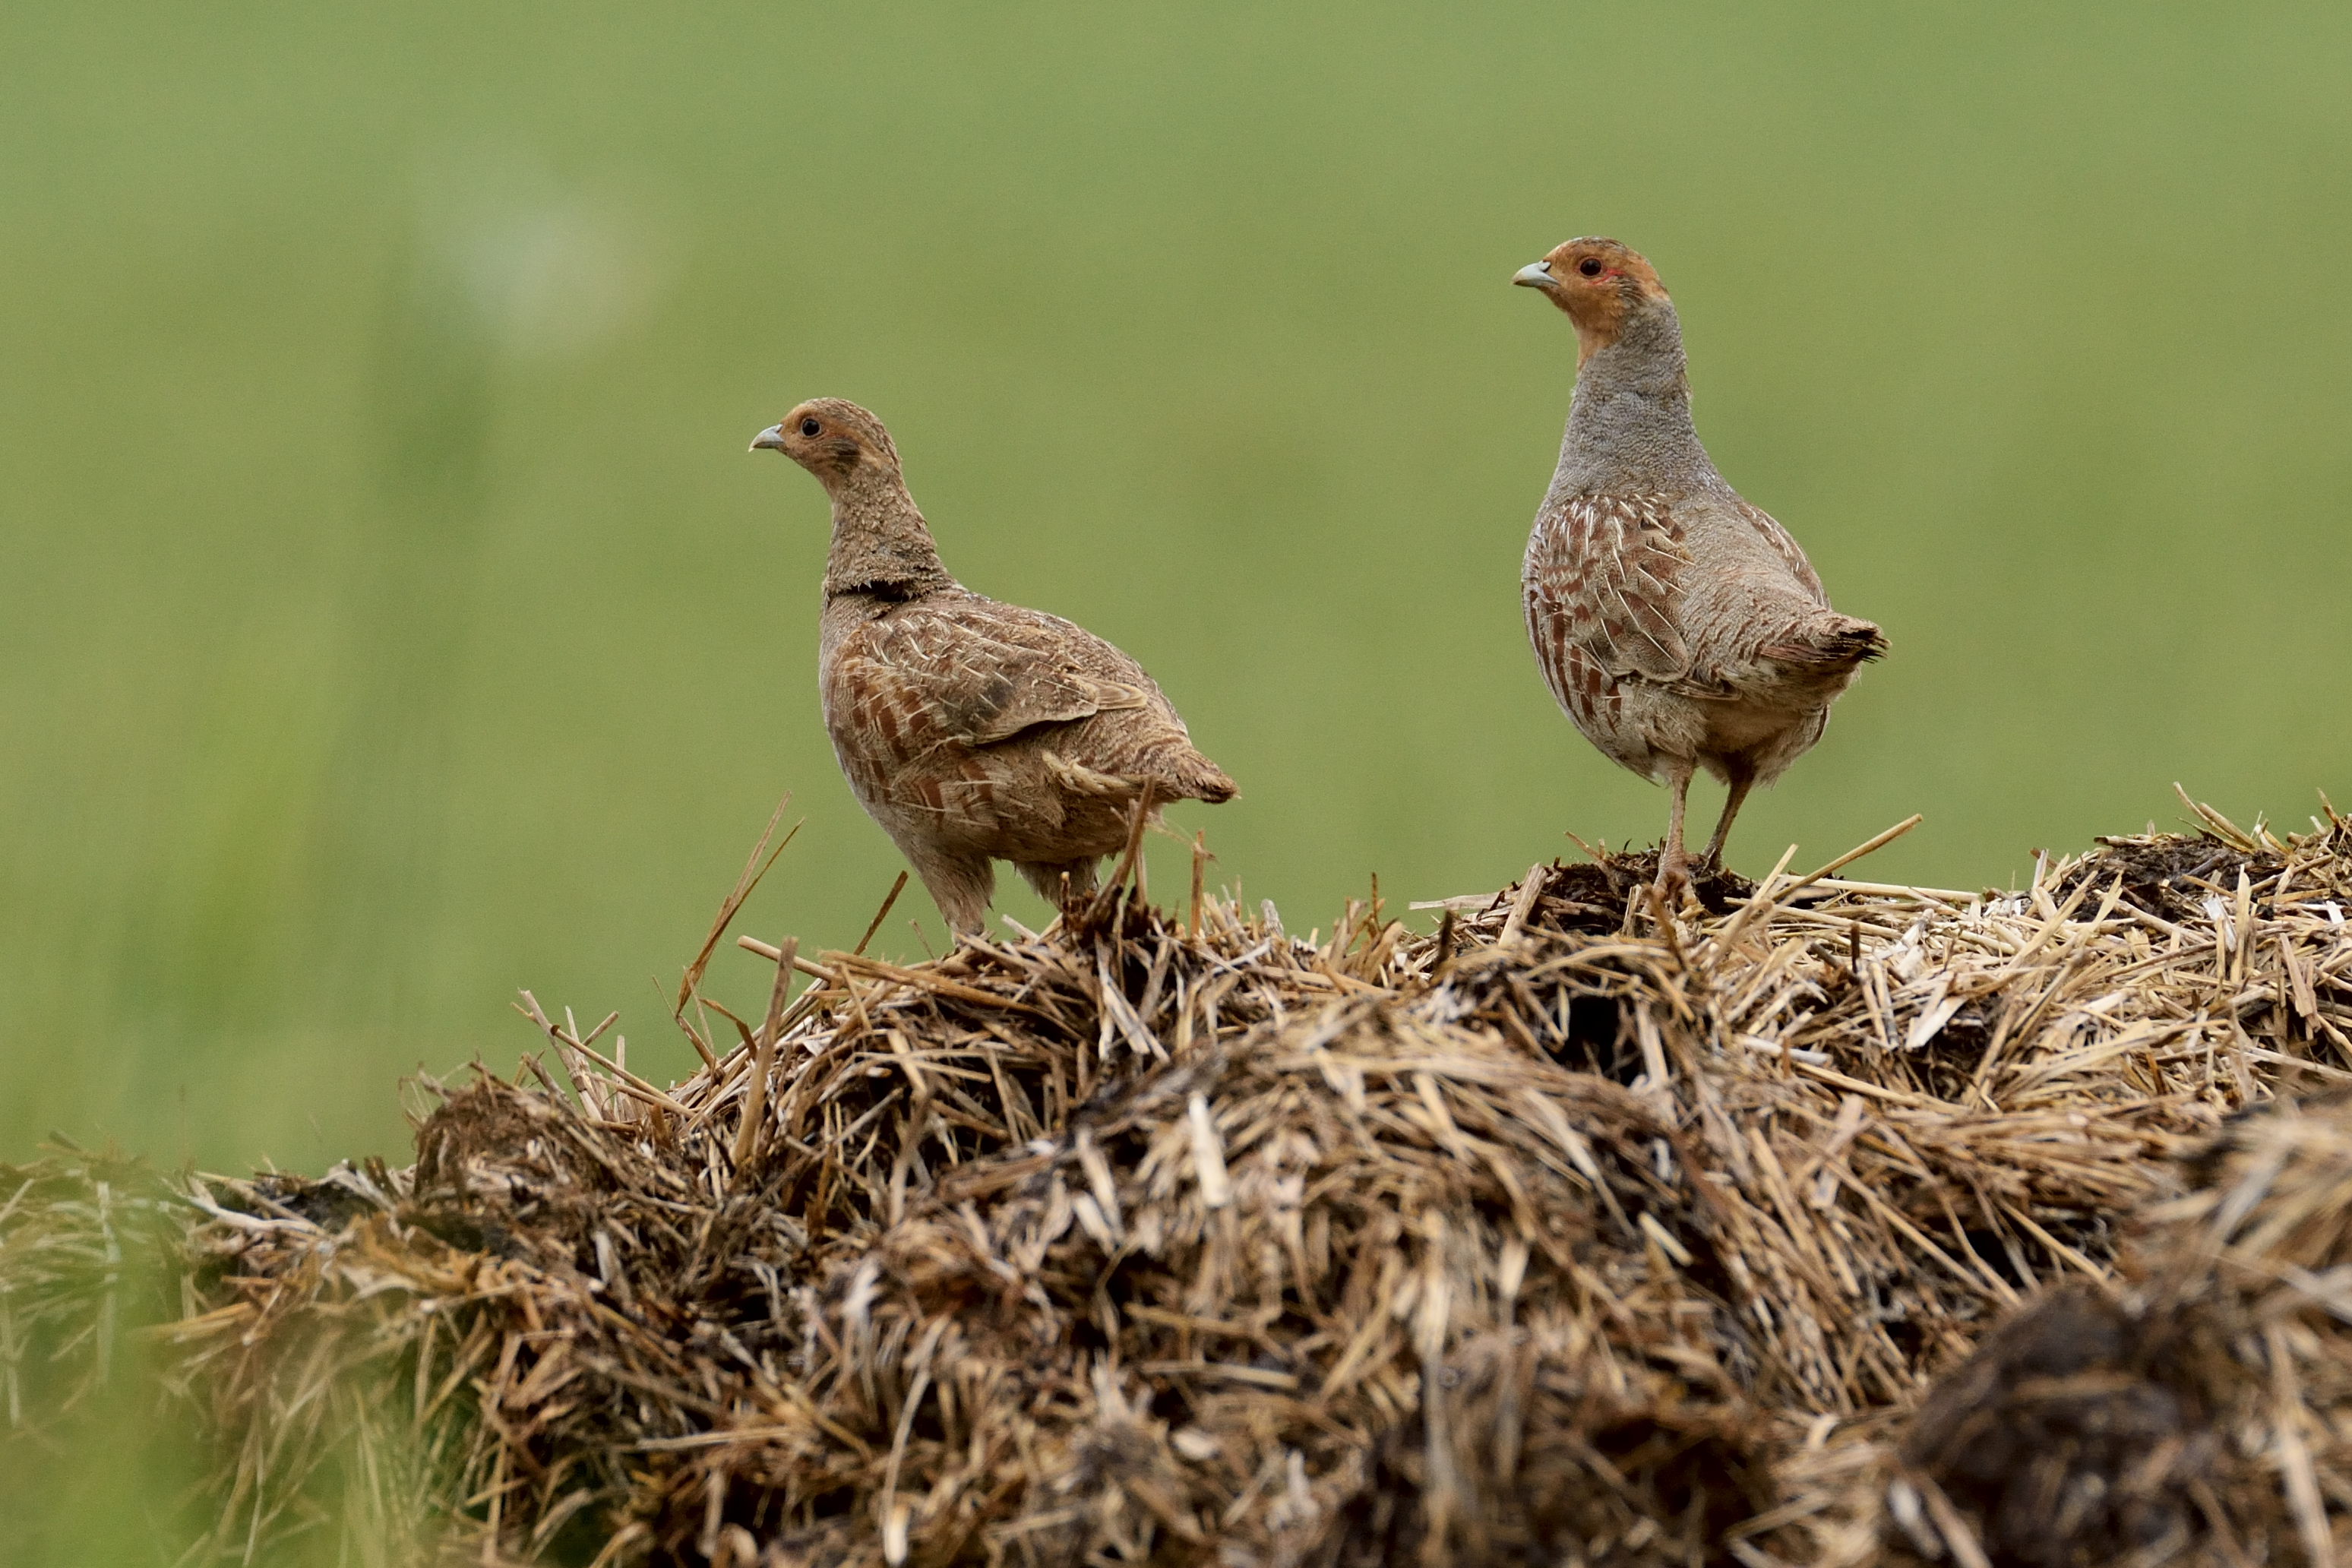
[1852,1224]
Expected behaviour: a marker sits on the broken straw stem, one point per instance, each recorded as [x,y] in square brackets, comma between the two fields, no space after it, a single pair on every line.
[1524,905]
[1763,896]
[774,954]
[623,1077]
[883,913]
[764,1056]
[1128,862]
[1850,855]
[1766,905]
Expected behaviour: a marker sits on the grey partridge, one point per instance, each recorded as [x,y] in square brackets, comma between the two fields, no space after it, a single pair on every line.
[972,730]
[1679,626]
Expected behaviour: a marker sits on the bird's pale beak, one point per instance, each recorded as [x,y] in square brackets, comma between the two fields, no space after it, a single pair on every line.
[774,435]
[1534,275]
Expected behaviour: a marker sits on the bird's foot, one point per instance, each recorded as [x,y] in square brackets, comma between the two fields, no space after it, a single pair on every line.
[1674,878]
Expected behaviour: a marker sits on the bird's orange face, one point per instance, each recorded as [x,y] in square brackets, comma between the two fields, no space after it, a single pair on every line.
[830,437]
[1599,283]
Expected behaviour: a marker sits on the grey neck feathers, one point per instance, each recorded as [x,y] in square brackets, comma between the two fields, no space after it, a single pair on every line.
[880,545]
[1629,427]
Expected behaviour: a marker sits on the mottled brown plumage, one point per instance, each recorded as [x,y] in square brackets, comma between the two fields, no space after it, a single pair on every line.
[972,730]
[1679,626]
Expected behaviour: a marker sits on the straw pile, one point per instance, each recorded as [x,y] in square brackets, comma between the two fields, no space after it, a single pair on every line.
[2196,1413]
[1567,1234]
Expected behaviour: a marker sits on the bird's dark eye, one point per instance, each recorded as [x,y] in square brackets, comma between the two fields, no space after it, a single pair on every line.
[1589,267]
[810,426]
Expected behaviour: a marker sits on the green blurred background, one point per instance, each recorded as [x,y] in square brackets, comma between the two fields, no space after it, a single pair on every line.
[391,615]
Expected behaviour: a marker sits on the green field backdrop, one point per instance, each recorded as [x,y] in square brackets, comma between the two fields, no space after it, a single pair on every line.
[391,615]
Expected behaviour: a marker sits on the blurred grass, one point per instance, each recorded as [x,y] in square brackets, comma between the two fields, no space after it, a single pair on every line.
[389,615]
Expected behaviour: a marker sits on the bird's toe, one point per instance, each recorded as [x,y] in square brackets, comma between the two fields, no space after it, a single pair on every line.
[1674,877]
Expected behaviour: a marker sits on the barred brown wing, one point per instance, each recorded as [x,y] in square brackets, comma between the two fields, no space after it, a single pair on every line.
[976,676]
[1784,545]
[1603,588]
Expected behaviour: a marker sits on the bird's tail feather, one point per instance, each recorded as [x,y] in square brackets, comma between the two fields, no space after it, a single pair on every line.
[1830,641]
[1197,778]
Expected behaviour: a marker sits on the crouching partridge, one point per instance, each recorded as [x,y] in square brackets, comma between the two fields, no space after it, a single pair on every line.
[972,730]
[1678,626]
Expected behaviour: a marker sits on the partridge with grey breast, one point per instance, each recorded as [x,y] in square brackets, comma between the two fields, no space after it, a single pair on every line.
[1679,626]
[972,730]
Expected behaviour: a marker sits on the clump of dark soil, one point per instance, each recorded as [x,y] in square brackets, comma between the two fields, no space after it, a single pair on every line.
[2169,876]
[1592,895]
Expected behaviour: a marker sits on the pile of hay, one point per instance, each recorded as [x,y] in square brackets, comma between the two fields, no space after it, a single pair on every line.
[1564,1235]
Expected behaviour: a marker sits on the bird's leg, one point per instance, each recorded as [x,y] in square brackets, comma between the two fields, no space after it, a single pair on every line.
[958,884]
[1065,884]
[1673,866]
[1742,778]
